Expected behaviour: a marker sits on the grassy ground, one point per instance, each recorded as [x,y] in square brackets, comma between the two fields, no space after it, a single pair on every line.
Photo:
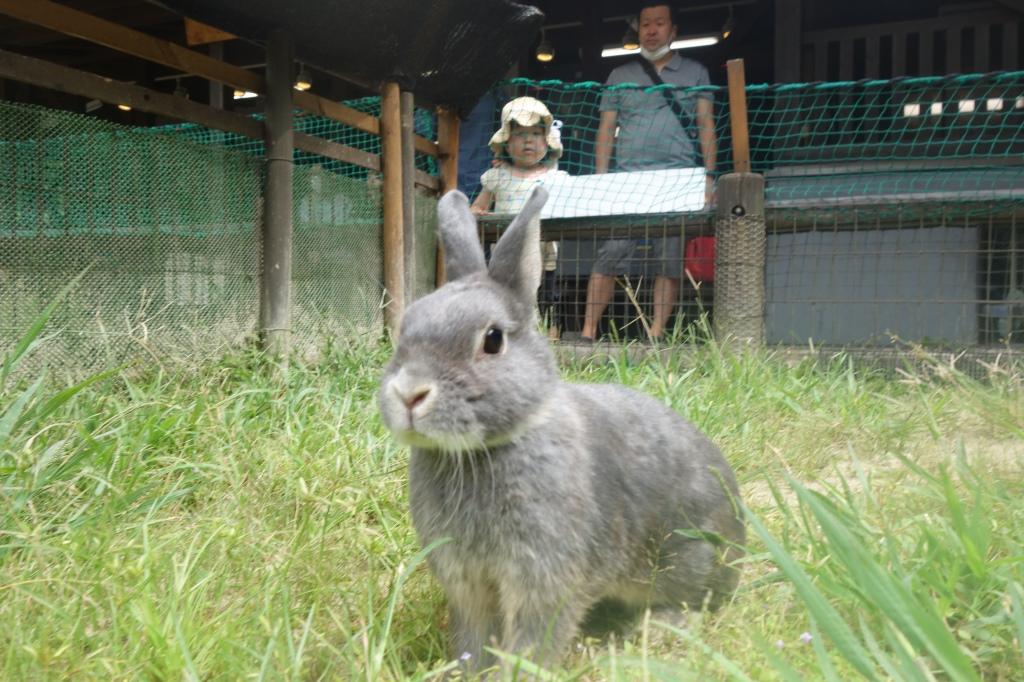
[219,522]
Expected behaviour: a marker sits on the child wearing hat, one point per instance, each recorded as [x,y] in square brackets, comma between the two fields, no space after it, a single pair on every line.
[527,148]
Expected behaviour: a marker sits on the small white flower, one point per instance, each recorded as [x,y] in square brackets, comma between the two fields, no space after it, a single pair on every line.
[465,656]
[779,644]
[806,638]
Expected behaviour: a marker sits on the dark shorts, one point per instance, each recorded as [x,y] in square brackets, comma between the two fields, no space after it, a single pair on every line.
[659,255]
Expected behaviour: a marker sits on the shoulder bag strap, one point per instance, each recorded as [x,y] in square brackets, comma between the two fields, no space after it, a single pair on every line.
[684,118]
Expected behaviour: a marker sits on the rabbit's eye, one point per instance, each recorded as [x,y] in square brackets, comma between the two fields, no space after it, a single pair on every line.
[494,341]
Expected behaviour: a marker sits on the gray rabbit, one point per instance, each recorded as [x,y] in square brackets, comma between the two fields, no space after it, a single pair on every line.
[560,500]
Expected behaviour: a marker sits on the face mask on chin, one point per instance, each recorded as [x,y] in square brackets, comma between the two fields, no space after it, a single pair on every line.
[654,55]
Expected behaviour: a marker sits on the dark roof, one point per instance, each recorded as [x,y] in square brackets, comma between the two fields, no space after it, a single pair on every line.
[444,51]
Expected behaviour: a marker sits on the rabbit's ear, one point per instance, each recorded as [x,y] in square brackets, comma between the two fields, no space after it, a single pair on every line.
[515,261]
[463,254]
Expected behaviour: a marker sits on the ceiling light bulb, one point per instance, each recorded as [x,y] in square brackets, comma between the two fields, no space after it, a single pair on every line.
[124,107]
[303,81]
[630,41]
[545,52]
[728,26]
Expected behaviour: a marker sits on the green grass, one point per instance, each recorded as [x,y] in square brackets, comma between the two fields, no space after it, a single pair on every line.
[230,520]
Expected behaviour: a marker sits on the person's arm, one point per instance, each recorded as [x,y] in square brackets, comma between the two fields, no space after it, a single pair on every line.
[605,141]
[708,142]
[482,203]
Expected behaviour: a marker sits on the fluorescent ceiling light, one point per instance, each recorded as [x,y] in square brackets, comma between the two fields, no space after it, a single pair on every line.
[244,94]
[700,41]
[618,51]
[683,44]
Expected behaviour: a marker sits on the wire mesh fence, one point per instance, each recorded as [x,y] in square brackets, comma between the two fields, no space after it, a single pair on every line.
[167,222]
[893,214]
[864,277]
[893,210]
[639,254]
[167,231]
[953,138]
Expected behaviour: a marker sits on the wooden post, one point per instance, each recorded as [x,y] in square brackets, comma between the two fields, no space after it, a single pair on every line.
[216,89]
[448,157]
[391,158]
[407,107]
[740,234]
[788,41]
[275,292]
[738,116]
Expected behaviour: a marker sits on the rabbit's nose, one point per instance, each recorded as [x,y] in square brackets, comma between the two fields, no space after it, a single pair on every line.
[411,396]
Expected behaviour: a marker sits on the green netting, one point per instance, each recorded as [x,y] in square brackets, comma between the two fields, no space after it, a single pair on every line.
[167,220]
[424,124]
[953,139]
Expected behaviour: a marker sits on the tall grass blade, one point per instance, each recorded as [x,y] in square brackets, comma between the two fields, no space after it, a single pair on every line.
[12,357]
[723,662]
[824,614]
[916,621]
[384,634]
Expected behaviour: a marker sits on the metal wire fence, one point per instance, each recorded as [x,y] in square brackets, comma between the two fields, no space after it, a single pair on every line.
[951,138]
[893,213]
[166,221]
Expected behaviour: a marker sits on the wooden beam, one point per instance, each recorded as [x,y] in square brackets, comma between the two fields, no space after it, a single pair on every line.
[981,49]
[335,111]
[391,153]
[872,57]
[424,179]
[448,141]
[65,79]
[788,41]
[407,109]
[448,145]
[738,116]
[821,60]
[1010,38]
[337,151]
[72,22]
[899,54]
[1015,5]
[17,67]
[276,236]
[953,46]
[740,261]
[198,33]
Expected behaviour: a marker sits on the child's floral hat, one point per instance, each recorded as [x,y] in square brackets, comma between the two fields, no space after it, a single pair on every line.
[527,111]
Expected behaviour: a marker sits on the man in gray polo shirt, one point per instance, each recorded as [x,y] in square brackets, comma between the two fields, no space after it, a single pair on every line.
[650,136]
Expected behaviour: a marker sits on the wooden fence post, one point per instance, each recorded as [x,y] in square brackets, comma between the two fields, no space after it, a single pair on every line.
[448,157]
[740,233]
[391,160]
[276,280]
[409,245]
